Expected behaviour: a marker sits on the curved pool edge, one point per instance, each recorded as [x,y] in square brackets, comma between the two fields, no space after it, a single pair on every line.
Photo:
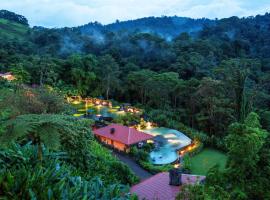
[162,157]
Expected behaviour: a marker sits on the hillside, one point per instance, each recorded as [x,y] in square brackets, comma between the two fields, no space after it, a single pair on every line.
[146,34]
[208,80]
[250,34]
[165,27]
[13,30]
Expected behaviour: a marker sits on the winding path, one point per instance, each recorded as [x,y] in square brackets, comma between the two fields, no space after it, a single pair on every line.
[137,169]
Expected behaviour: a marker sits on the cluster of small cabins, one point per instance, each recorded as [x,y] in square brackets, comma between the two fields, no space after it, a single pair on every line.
[162,186]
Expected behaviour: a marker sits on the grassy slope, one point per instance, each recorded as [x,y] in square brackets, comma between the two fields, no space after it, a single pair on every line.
[12,30]
[202,162]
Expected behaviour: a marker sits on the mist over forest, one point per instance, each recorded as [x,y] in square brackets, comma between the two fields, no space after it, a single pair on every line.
[207,78]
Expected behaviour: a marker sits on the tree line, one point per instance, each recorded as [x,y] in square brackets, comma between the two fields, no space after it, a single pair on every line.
[215,81]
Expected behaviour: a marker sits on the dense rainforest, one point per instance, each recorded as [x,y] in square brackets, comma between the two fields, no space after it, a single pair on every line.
[210,75]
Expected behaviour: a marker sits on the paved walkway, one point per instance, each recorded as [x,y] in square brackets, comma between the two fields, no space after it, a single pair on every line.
[137,169]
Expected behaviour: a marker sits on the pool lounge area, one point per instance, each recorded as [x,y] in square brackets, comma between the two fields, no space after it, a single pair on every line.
[168,142]
[95,111]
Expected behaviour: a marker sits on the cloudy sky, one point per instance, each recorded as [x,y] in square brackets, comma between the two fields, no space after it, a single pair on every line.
[59,13]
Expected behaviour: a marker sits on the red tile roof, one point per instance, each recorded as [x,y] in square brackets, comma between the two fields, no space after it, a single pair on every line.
[157,187]
[123,134]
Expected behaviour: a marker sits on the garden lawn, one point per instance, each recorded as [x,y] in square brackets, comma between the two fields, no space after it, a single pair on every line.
[202,162]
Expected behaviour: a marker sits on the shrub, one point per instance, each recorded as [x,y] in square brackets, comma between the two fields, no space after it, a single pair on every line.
[186,165]
[122,173]
[148,147]
[29,101]
[154,169]
[127,119]
[139,154]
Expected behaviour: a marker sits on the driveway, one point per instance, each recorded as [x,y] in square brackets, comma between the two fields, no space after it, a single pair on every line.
[137,169]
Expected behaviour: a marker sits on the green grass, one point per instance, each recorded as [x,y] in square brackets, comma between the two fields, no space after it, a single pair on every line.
[202,162]
[13,30]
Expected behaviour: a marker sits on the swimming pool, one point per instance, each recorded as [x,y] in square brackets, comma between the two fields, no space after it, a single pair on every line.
[169,141]
[93,110]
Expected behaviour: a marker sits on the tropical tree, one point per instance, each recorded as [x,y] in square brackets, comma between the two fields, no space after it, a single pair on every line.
[83,80]
[161,88]
[41,130]
[236,74]
[244,143]
[29,101]
[22,76]
[108,72]
[214,111]
[138,84]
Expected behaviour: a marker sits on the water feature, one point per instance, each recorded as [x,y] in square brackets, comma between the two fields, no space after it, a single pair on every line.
[93,111]
[168,142]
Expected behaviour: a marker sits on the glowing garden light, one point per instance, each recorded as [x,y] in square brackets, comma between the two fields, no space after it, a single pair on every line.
[176,166]
[148,125]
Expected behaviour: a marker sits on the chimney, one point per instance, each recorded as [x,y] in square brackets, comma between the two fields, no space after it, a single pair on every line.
[112,130]
[175,177]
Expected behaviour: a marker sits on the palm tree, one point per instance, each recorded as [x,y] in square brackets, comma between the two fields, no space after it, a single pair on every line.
[40,129]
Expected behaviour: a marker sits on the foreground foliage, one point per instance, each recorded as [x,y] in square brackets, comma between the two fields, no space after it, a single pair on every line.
[247,169]
[55,156]
[208,80]
[22,176]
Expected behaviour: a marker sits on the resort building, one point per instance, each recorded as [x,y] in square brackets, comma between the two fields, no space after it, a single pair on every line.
[8,76]
[165,185]
[121,137]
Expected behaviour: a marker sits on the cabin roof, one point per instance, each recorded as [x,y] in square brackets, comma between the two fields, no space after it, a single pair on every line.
[157,186]
[123,134]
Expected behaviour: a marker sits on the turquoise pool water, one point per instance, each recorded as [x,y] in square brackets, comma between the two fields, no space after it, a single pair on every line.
[169,141]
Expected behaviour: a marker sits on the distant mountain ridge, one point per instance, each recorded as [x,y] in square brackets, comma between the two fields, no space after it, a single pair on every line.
[167,27]
[149,36]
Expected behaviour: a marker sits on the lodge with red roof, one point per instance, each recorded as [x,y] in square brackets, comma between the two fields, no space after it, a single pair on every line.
[121,137]
[164,185]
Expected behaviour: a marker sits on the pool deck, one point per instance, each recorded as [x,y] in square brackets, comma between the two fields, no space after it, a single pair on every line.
[136,168]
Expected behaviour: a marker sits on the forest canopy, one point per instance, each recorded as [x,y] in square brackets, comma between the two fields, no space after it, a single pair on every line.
[205,76]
